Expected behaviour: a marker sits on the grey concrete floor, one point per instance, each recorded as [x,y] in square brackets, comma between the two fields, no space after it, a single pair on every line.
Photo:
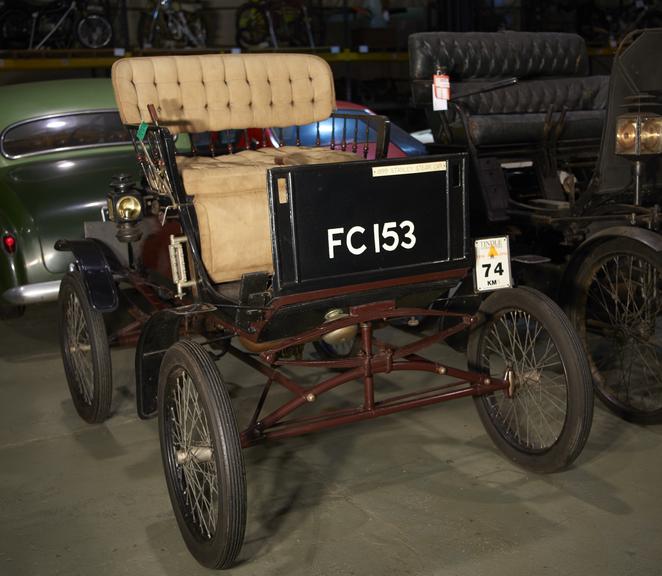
[424,492]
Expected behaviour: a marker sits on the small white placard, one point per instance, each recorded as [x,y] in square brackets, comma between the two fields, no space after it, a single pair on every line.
[235,51]
[492,268]
[397,169]
[363,49]
[119,52]
[334,49]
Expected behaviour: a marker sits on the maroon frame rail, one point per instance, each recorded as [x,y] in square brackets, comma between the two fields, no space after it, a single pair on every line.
[364,366]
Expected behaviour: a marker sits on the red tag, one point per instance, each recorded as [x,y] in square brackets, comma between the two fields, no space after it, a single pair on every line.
[441,91]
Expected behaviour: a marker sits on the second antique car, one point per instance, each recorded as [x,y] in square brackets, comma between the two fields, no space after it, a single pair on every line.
[260,252]
[570,164]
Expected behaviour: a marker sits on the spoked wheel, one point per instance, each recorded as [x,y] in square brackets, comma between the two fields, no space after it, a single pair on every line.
[617,309]
[543,422]
[85,351]
[201,454]
[94,31]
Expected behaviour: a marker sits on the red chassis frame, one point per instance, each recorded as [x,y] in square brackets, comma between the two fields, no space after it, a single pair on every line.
[361,367]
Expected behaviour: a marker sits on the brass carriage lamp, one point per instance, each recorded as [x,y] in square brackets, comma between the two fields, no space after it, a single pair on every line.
[639,134]
[125,208]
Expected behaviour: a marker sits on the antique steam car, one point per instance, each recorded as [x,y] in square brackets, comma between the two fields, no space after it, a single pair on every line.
[233,247]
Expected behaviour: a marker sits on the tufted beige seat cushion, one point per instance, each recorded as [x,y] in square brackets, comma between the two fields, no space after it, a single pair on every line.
[230,200]
[212,92]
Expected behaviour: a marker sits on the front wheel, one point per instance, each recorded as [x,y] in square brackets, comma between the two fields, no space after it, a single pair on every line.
[616,307]
[85,351]
[201,454]
[543,421]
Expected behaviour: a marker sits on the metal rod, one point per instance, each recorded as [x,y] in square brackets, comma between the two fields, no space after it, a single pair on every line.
[637,182]
[368,380]
[381,409]
[269,372]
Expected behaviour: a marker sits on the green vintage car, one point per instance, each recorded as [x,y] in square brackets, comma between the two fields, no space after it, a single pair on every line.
[60,143]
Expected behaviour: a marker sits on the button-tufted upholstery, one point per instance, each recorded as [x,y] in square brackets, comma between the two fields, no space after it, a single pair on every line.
[198,93]
[219,92]
[551,70]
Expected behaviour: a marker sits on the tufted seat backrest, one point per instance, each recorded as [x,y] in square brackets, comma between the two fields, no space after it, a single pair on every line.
[469,55]
[199,93]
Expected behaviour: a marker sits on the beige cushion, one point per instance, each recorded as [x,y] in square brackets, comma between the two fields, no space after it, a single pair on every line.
[199,93]
[231,203]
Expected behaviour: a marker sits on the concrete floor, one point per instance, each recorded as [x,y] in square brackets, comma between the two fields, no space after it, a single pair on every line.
[424,492]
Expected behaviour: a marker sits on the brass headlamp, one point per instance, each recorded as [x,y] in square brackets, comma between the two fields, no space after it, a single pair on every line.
[125,207]
[639,134]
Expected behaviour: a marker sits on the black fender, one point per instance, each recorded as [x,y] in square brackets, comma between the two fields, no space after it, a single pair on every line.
[96,266]
[650,238]
[159,333]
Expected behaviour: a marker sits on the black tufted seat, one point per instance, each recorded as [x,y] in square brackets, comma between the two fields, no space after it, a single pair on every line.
[551,69]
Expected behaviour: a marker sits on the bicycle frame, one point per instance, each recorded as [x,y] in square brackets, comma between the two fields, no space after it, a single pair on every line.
[33,30]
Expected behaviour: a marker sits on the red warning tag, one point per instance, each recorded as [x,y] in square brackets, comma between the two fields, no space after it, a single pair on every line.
[441,91]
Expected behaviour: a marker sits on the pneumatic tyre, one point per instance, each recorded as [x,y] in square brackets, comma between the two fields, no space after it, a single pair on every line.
[616,306]
[85,351]
[524,337]
[201,453]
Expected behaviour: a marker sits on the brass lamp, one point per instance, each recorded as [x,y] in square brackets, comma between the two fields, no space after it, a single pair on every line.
[125,208]
[639,134]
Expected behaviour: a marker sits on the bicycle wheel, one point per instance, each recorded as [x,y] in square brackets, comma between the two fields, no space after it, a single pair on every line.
[201,455]
[15,28]
[526,339]
[85,351]
[617,309]
[252,26]
[94,31]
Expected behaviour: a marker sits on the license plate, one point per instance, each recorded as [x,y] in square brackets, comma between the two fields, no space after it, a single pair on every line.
[492,268]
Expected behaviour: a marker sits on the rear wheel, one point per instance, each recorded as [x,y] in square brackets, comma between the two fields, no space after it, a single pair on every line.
[617,309]
[201,454]
[85,351]
[525,338]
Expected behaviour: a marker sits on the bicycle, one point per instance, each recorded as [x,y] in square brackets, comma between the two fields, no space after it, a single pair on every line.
[168,27]
[261,23]
[55,25]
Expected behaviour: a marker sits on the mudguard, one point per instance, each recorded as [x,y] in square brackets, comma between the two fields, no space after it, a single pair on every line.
[159,333]
[650,238]
[96,266]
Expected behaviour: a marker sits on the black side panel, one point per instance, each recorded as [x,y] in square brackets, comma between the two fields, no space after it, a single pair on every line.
[159,333]
[342,224]
[94,263]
